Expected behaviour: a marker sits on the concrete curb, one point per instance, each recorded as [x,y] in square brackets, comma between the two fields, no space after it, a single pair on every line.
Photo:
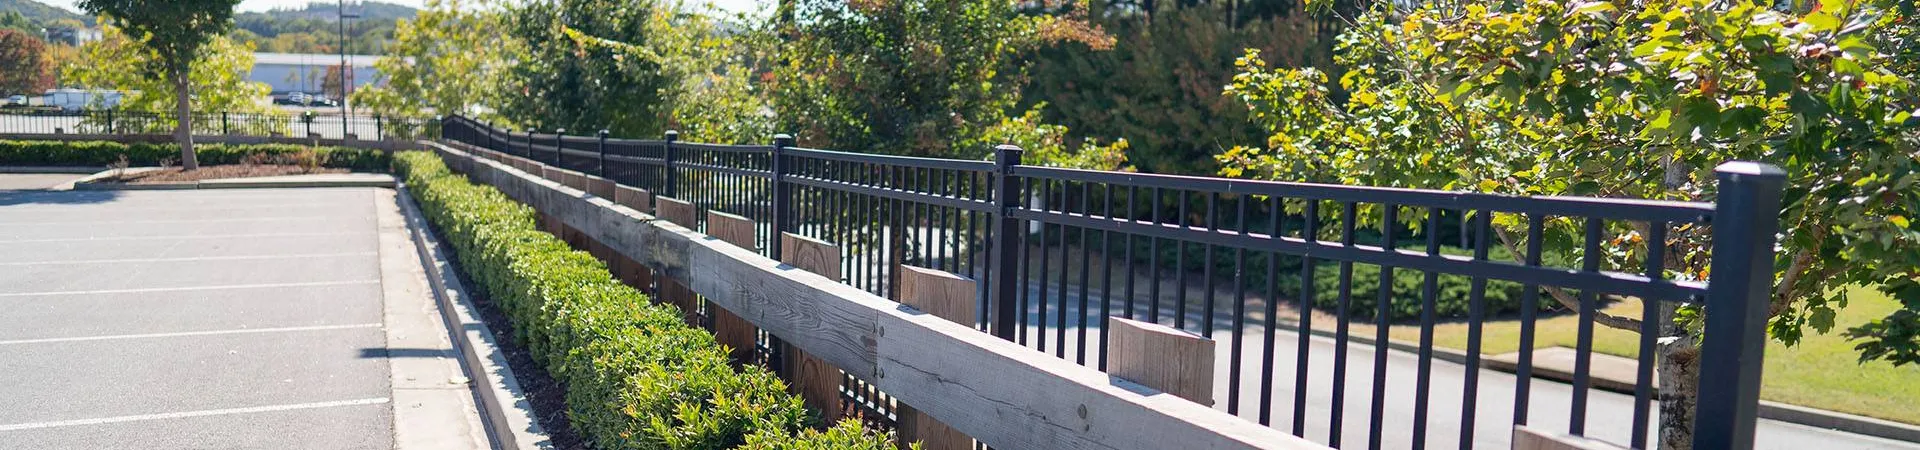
[503,405]
[358,180]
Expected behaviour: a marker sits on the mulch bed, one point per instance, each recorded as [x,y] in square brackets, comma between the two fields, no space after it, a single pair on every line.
[171,174]
[547,396]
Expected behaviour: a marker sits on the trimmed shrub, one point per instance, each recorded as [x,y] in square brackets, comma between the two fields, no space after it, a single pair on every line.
[636,376]
[103,153]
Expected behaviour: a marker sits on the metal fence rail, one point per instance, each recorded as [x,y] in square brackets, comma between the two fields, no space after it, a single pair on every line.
[278,124]
[1251,264]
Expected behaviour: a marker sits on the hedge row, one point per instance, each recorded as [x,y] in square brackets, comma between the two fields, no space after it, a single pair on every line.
[103,153]
[637,377]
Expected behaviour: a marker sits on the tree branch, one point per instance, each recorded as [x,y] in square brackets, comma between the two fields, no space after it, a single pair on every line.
[1561,295]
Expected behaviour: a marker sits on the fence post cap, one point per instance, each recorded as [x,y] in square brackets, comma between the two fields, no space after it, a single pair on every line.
[1749,169]
[1008,147]
[559,131]
[783,140]
[601,133]
[673,135]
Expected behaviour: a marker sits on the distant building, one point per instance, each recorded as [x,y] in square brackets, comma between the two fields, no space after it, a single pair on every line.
[70,36]
[307,72]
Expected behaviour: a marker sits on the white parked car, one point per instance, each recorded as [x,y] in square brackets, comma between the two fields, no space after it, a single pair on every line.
[17,100]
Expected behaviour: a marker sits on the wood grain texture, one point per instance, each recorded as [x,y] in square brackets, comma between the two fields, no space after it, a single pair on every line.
[817,381]
[943,294]
[736,333]
[1162,357]
[812,255]
[678,211]
[600,187]
[732,229]
[1006,395]
[950,297]
[633,197]
[672,291]
[1529,438]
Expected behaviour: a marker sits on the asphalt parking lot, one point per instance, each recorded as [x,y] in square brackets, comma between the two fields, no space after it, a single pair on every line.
[196,319]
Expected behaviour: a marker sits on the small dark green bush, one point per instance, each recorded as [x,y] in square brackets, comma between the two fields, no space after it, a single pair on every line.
[102,153]
[637,377]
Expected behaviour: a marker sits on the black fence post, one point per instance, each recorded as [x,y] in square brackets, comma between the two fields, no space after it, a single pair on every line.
[1746,216]
[379,129]
[529,152]
[110,121]
[782,194]
[559,141]
[602,170]
[667,162]
[224,128]
[1006,242]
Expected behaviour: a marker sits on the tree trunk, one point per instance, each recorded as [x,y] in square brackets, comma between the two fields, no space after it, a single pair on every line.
[1679,373]
[183,126]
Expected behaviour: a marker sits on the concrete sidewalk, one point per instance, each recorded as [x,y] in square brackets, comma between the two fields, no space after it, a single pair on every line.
[265,318]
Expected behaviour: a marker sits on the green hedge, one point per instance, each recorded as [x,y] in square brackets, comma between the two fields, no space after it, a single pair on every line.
[636,376]
[103,153]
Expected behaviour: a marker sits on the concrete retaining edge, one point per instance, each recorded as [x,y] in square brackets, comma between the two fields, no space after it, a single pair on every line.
[504,408]
[88,184]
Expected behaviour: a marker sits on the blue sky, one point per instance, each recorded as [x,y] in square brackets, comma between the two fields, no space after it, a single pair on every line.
[263,5]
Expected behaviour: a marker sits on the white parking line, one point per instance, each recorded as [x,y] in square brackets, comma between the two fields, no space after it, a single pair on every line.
[190,333]
[190,288]
[186,414]
[189,259]
[184,236]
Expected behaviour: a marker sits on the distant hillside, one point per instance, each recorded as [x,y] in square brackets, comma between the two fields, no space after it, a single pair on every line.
[328,11]
[41,12]
[316,28]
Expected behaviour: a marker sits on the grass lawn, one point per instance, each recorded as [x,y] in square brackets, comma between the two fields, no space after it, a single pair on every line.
[1821,372]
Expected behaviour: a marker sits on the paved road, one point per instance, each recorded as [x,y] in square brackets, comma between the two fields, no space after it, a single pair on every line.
[193,319]
[1610,415]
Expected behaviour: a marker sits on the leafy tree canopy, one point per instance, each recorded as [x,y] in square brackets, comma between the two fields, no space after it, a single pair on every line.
[1639,100]
[25,66]
[217,83]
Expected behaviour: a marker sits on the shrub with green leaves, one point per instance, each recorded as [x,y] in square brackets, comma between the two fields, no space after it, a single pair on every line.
[103,153]
[637,377]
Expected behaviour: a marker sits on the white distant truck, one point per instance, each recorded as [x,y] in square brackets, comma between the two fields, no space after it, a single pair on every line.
[78,99]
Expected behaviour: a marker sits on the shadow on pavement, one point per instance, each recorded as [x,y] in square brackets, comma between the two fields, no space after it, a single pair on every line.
[44,197]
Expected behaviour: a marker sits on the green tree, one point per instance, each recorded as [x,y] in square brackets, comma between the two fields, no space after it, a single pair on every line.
[217,80]
[174,32]
[1637,100]
[596,64]
[912,77]
[1159,85]
[450,59]
[25,66]
[12,20]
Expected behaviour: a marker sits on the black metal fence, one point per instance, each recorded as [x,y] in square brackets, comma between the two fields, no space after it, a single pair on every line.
[1262,267]
[275,124]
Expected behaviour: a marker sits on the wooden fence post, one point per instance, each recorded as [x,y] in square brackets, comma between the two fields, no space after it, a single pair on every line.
[633,272]
[1161,357]
[736,333]
[947,296]
[673,292]
[817,382]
